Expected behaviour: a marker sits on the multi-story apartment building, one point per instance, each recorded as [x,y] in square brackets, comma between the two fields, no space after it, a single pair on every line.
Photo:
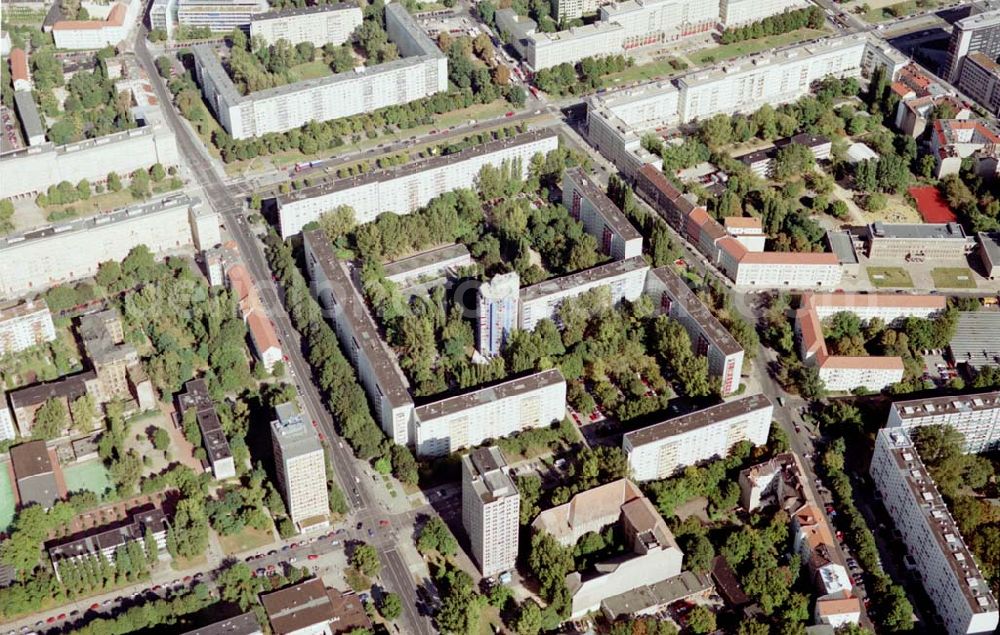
[150,520]
[617,120]
[649,22]
[660,450]
[36,259]
[744,267]
[25,402]
[735,13]
[624,279]
[319,24]
[409,187]
[955,141]
[980,79]
[111,358]
[601,218]
[946,566]
[109,30]
[491,510]
[196,399]
[242,624]
[671,296]
[571,9]
[933,241]
[844,373]
[975,416]
[497,304]
[32,170]
[980,32]
[428,264]
[300,464]
[653,554]
[466,420]
[221,16]
[24,325]
[421,72]
[376,365]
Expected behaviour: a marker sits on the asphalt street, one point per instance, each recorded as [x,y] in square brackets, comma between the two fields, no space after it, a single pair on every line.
[227,201]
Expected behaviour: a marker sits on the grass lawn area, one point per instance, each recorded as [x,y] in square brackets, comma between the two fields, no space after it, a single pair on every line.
[311,70]
[90,475]
[489,621]
[641,73]
[6,499]
[749,47]
[182,564]
[446,120]
[898,10]
[247,539]
[889,277]
[953,278]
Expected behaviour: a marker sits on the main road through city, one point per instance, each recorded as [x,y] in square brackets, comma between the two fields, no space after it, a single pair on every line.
[349,471]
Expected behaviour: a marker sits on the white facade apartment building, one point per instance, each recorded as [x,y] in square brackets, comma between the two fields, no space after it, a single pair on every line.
[570,9]
[422,71]
[660,450]
[709,338]
[735,13]
[32,170]
[947,568]
[378,371]
[976,417]
[466,420]
[625,280]
[497,303]
[491,510]
[617,120]
[319,24]
[35,260]
[25,325]
[409,187]
[300,465]
[647,22]
[601,218]
[110,30]
[221,16]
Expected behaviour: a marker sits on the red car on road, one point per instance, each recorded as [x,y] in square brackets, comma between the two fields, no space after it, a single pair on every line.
[313,556]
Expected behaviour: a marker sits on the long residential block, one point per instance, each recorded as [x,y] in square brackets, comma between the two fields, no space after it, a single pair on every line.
[375,363]
[947,568]
[746,268]
[660,450]
[319,24]
[601,218]
[671,296]
[466,420]
[32,170]
[409,187]
[624,279]
[423,71]
[35,260]
[975,416]
[617,120]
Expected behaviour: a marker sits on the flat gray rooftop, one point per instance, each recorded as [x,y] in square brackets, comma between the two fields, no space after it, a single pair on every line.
[842,246]
[425,259]
[488,467]
[91,222]
[613,216]
[573,280]
[925,231]
[295,436]
[719,335]
[244,624]
[949,404]
[632,602]
[414,167]
[388,375]
[990,242]
[698,419]
[297,11]
[478,397]
[977,339]
[27,111]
